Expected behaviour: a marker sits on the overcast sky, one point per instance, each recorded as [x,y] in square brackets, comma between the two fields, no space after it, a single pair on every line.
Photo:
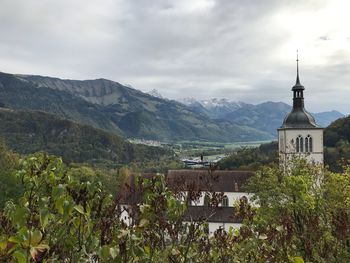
[240,50]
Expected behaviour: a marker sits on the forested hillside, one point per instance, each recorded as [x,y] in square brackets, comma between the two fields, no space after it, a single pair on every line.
[337,142]
[28,132]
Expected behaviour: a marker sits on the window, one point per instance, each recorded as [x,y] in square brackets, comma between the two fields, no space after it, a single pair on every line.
[206,200]
[308,144]
[299,144]
[224,201]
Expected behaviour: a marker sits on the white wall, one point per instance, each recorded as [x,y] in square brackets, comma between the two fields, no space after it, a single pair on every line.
[287,150]
[232,198]
[213,226]
[226,226]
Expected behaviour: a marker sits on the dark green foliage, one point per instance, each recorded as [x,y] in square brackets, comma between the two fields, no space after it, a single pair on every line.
[303,214]
[336,140]
[338,133]
[9,185]
[64,215]
[28,132]
[251,158]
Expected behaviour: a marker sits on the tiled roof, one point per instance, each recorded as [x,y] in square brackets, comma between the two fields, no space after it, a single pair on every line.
[203,180]
[187,180]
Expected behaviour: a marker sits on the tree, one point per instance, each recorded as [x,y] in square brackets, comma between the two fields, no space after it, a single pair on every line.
[302,215]
[64,215]
[9,185]
[56,217]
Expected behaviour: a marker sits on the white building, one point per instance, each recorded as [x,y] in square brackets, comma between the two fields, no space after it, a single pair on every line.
[210,196]
[299,134]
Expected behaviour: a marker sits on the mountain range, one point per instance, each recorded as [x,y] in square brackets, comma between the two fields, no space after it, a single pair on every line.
[119,109]
[125,111]
[267,116]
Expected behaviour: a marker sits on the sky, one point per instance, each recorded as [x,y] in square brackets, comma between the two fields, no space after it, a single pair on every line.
[239,50]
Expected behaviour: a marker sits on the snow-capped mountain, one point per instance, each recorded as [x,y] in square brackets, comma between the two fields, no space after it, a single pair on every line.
[214,103]
[155,93]
[215,108]
[266,116]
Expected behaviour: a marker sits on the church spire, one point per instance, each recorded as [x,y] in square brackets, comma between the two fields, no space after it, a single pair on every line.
[297,83]
[298,90]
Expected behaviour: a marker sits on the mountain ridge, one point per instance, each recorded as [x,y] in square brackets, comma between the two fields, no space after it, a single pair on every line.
[268,116]
[132,114]
[125,111]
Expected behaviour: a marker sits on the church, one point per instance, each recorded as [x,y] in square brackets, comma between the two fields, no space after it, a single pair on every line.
[298,137]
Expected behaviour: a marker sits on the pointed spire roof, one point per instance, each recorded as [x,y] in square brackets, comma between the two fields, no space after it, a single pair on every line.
[299,118]
[297,85]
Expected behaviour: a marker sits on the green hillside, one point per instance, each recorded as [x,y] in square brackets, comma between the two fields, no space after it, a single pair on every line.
[337,142]
[28,132]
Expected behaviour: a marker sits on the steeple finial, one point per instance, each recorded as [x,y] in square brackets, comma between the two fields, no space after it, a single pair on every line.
[297,81]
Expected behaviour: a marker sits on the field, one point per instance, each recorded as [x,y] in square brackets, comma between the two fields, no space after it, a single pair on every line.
[210,150]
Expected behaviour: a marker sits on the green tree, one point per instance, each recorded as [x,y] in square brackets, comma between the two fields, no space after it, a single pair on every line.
[9,184]
[57,215]
[305,214]
[65,215]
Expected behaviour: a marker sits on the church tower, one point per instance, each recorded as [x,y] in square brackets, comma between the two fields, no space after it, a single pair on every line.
[299,134]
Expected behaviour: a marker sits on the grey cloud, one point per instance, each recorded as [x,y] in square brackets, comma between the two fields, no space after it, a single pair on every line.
[225,49]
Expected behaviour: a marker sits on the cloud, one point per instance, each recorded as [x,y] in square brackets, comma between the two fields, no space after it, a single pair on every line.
[241,50]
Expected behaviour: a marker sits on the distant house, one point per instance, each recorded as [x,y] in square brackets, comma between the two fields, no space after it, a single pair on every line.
[210,195]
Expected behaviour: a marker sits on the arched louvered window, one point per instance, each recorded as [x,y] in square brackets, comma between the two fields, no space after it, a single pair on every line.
[224,201]
[299,144]
[308,144]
